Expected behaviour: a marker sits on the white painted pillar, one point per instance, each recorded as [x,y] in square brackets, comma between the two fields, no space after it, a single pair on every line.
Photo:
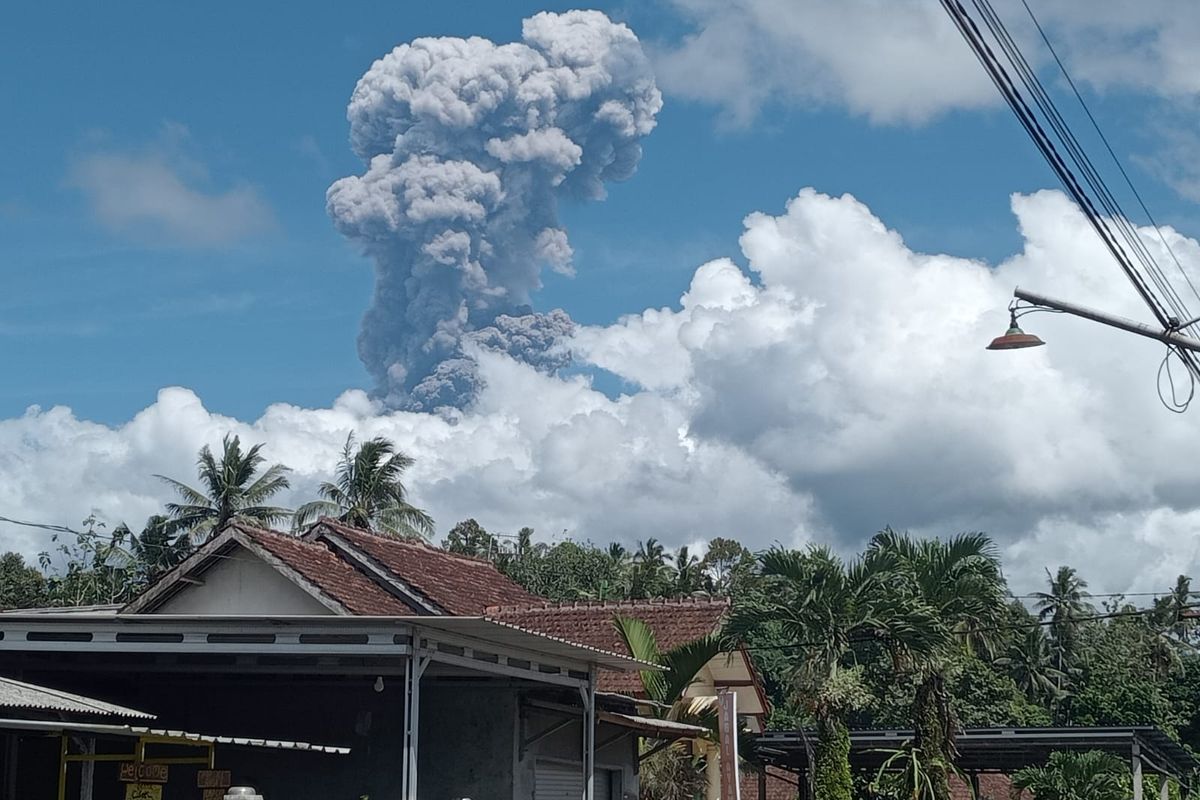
[1164,788]
[712,773]
[1137,772]
[589,737]
[412,718]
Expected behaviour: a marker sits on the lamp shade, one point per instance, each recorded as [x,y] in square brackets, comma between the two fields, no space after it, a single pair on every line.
[1015,339]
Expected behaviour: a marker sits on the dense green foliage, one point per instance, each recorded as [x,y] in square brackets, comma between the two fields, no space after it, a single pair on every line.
[1077,776]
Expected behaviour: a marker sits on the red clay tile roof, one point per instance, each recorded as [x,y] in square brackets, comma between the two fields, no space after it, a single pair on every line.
[674,622]
[460,585]
[333,576]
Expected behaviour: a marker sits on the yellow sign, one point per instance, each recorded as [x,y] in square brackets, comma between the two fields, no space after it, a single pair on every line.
[136,772]
[143,791]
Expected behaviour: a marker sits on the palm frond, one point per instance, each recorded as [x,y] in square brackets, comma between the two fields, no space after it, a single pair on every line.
[642,644]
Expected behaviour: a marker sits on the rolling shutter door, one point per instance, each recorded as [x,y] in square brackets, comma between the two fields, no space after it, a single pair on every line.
[555,781]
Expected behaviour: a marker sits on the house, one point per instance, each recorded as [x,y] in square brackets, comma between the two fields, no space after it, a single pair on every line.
[381,646]
[674,622]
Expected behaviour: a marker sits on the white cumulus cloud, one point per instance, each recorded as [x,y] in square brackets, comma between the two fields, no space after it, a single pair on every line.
[159,196]
[835,384]
[902,61]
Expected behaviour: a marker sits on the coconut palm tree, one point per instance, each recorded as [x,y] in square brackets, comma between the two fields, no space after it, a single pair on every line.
[233,490]
[689,575]
[1029,661]
[1064,605]
[823,605]
[648,576]
[157,548]
[1091,775]
[1174,611]
[959,581]
[367,492]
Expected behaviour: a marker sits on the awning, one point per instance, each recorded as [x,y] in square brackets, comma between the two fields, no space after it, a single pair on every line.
[170,737]
[18,694]
[653,727]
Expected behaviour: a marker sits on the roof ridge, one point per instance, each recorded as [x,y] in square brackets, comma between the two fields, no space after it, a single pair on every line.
[652,602]
[395,540]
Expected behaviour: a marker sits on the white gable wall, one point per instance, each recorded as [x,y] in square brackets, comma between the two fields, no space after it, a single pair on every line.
[243,584]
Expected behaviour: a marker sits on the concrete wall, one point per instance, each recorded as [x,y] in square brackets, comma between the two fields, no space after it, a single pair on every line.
[243,584]
[467,742]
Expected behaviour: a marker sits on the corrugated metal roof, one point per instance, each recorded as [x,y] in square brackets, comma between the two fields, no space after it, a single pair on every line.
[131,731]
[18,694]
[652,726]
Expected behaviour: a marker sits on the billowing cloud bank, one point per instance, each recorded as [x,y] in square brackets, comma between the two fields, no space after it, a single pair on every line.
[902,61]
[837,385]
[469,146]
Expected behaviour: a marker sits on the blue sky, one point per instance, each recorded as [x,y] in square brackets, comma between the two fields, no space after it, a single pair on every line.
[255,95]
[169,274]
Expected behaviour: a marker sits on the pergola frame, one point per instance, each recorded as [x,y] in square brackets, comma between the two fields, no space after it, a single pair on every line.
[1002,750]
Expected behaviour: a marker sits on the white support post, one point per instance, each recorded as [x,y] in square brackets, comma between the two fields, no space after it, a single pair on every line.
[589,736]
[1164,788]
[1137,772]
[412,717]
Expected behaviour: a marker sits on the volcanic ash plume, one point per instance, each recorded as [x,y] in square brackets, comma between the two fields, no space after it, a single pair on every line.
[468,147]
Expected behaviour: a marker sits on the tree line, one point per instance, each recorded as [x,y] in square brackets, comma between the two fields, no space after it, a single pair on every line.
[910,633]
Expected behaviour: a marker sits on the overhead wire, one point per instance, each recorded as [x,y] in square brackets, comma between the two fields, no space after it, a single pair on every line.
[1079,156]
[1019,626]
[1117,161]
[1172,312]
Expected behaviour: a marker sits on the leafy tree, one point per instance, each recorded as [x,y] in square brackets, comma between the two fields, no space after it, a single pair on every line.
[368,492]
[96,568]
[21,585]
[233,490]
[960,585]
[1092,775]
[822,605]
[1119,683]
[471,539]
[727,565]
[568,571]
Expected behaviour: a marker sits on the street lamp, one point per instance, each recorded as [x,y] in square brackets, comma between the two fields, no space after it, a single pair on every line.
[1016,338]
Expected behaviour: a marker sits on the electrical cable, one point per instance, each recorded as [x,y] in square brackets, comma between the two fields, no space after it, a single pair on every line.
[1091,174]
[1022,626]
[1174,404]
[1096,125]
[1168,314]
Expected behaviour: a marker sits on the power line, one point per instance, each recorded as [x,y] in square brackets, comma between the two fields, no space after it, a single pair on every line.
[1096,125]
[1169,314]
[1021,626]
